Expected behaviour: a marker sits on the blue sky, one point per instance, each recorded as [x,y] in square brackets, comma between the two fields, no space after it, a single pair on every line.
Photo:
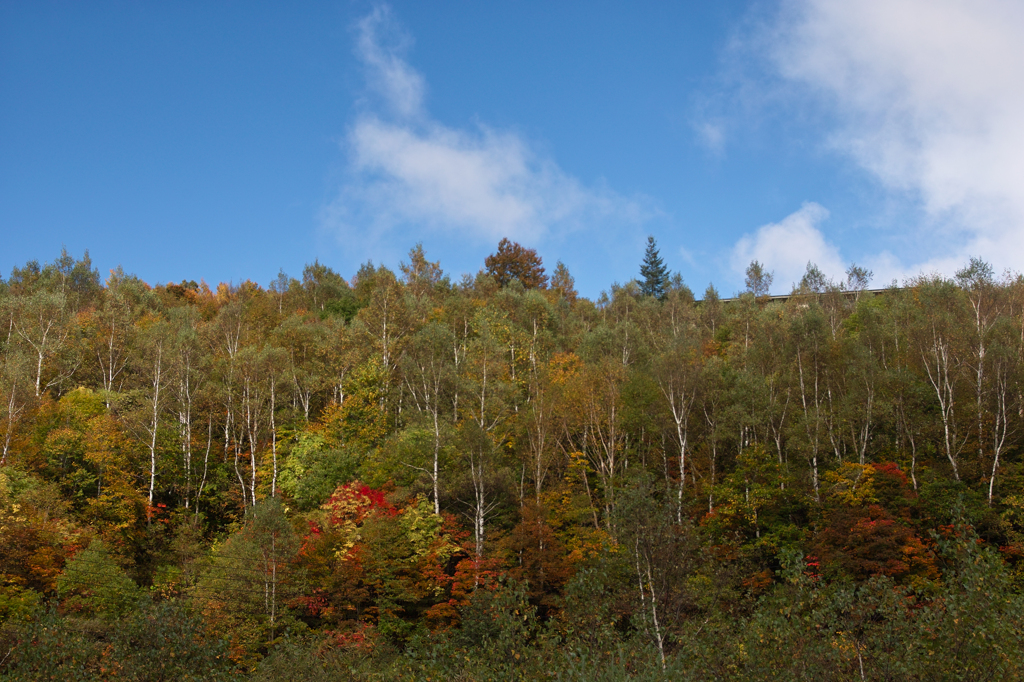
[227,141]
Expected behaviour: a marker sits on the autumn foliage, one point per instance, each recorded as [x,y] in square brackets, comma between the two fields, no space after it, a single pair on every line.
[395,475]
[514,261]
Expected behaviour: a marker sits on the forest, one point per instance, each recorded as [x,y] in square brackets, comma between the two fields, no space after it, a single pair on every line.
[410,476]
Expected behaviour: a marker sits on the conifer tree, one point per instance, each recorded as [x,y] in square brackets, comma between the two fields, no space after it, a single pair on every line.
[653,273]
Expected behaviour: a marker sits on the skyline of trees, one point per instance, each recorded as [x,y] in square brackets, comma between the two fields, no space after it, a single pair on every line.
[372,460]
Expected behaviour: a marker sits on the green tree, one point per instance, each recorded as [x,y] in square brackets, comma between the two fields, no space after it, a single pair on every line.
[322,285]
[421,276]
[758,280]
[564,283]
[15,394]
[313,470]
[93,584]
[251,579]
[653,273]
[44,322]
[429,375]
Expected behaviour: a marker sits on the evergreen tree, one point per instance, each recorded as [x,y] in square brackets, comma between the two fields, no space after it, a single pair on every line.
[653,273]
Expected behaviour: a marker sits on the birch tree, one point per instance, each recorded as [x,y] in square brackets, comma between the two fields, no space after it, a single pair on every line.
[678,374]
[43,322]
[941,360]
[152,369]
[429,377]
[186,378]
[977,281]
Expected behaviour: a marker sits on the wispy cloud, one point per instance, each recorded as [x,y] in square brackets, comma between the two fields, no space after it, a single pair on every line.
[927,97]
[711,134]
[409,172]
[381,45]
[787,246]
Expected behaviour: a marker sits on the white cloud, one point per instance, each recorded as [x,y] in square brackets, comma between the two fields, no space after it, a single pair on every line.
[482,182]
[787,246]
[408,170]
[711,134]
[687,256]
[380,46]
[928,97]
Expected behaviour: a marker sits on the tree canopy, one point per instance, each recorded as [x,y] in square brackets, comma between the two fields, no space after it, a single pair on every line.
[514,261]
[401,476]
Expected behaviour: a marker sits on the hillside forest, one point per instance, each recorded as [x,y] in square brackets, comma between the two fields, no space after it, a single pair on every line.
[402,475]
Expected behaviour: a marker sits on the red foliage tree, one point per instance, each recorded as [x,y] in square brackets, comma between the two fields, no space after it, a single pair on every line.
[866,528]
[514,261]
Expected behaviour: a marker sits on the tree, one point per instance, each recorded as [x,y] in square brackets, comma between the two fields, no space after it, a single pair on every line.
[654,274]
[858,278]
[984,296]
[94,584]
[153,366]
[867,528]
[1004,402]
[758,280]
[306,342]
[810,348]
[385,321]
[45,323]
[15,391]
[514,261]
[663,558]
[711,309]
[112,331]
[186,377]
[429,376]
[814,280]
[564,283]
[250,580]
[489,394]
[678,376]
[594,406]
[421,276]
[938,337]
[322,285]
